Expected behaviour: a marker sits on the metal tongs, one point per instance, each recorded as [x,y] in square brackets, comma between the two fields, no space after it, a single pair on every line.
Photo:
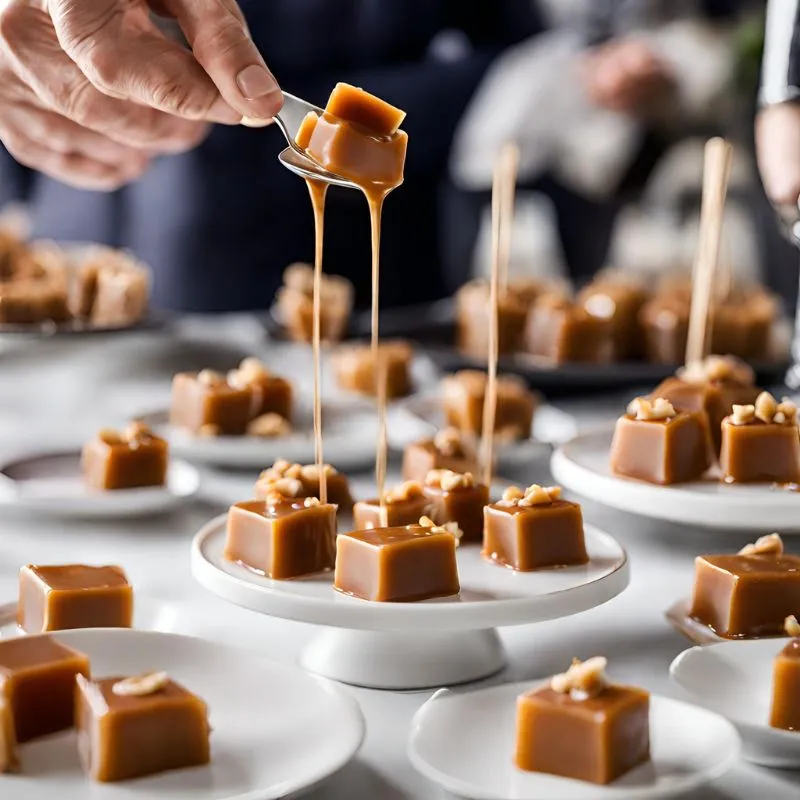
[289,119]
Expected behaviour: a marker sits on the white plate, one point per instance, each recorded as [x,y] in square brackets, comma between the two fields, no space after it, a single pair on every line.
[449,745]
[490,595]
[276,730]
[735,680]
[350,428]
[421,416]
[52,484]
[582,466]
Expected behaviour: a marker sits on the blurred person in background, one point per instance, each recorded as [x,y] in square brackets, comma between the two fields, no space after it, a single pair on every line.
[593,105]
[210,208]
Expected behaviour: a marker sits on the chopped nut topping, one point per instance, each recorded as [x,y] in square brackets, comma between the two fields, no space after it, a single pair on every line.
[249,371]
[137,430]
[310,472]
[109,436]
[269,426]
[288,487]
[742,415]
[403,492]
[141,685]
[766,545]
[791,626]
[208,377]
[311,501]
[766,406]
[534,495]
[210,429]
[718,369]
[584,679]
[787,411]
[448,442]
[642,408]
[448,527]
[447,480]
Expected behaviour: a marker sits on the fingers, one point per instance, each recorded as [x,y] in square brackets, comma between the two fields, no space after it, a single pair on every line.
[37,57]
[117,47]
[778,152]
[221,42]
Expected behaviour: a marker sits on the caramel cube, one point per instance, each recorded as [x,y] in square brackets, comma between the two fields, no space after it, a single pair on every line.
[527,538]
[295,301]
[742,596]
[308,484]
[463,398]
[198,403]
[760,452]
[561,331]
[353,104]
[397,564]
[303,136]
[281,540]
[354,368]
[619,304]
[57,598]
[9,759]
[37,682]
[355,153]
[785,711]
[406,511]
[665,322]
[597,739]
[127,460]
[460,503]
[419,458]
[662,451]
[132,735]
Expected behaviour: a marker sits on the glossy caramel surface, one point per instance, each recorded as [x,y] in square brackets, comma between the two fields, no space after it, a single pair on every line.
[399,564]
[120,738]
[744,596]
[127,465]
[419,458]
[596,740]
[367,513]
[760,453]
[785,709]
[462,505]
[54,598]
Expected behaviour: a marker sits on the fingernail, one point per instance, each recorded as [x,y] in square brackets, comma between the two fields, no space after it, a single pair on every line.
[255,122]
[254,82]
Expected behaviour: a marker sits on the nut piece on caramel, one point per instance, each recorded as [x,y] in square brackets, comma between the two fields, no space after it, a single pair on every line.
[534,529]
[399,564]
[129,459]
[37,682]
[308,478]
[447,450]
[760,443]
[281,537]
[785,710]
[581,726]
[58,598]
[404,505]
[296,307]
[654,443]
[463,397]
[459,498]
[748,594]
[228,402]
[354,367]
[150,726]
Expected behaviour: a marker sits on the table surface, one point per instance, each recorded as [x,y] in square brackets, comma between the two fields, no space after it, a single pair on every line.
[62,391]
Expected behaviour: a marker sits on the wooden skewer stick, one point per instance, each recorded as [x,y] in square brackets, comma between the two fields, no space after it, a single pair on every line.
[509,159]
[504,172]
[716,172]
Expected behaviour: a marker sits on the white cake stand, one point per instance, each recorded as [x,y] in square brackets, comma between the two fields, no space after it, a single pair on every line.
[416,645]
[582,466]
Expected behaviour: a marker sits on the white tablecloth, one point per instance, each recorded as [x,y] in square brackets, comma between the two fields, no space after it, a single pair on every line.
[64,390]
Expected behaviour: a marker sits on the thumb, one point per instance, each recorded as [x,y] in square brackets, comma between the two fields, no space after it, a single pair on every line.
[221,42]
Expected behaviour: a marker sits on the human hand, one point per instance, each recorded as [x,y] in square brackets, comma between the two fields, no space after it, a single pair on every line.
[625,76]
[778,154]
[90,89]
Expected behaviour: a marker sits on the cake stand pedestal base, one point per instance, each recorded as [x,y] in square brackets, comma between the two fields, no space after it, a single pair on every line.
[420,660]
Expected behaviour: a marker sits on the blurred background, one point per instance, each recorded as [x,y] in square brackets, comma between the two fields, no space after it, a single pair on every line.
[610,102]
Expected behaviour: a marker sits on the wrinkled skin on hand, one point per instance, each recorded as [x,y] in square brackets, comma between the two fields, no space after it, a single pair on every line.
[91,90]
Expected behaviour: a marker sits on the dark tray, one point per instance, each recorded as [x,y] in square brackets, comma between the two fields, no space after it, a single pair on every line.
[432,327]
[154,321]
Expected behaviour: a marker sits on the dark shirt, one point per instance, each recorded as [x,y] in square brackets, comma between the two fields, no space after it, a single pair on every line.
[219,224]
